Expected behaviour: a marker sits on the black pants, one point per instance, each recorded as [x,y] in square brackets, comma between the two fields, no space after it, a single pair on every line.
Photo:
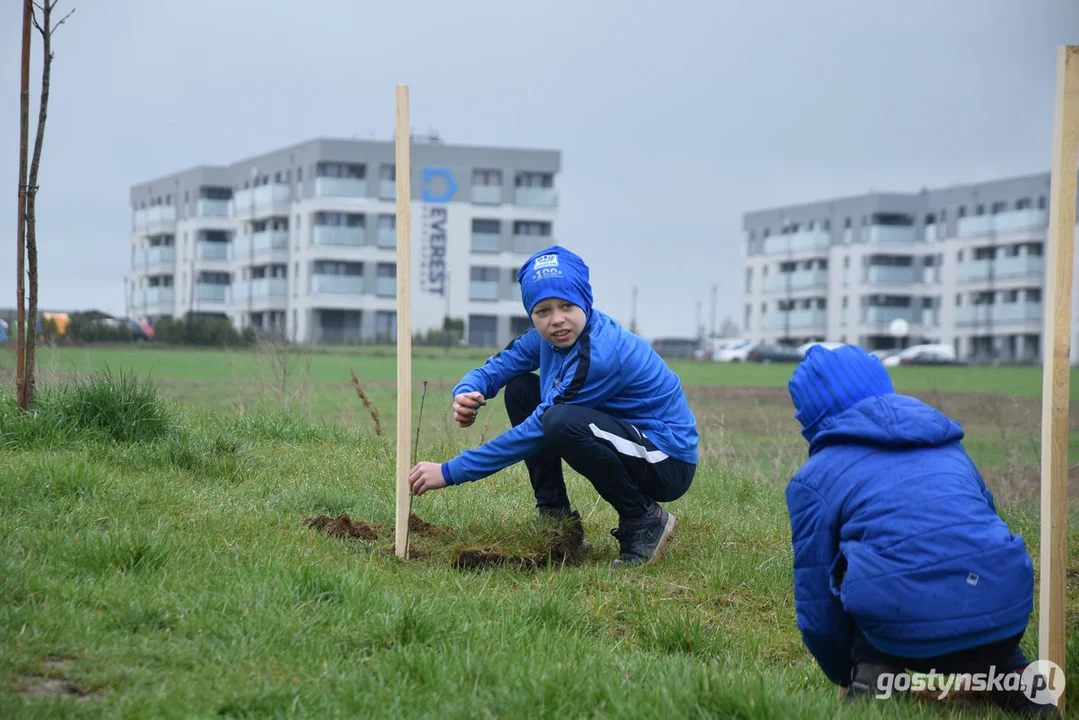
[1005,655]
[624,466]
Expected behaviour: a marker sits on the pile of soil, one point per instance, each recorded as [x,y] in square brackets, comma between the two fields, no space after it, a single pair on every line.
[343,526]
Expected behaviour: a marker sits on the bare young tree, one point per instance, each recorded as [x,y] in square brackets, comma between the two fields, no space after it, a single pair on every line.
[28,187]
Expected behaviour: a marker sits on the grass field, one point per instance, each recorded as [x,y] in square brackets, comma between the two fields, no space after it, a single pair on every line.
[156,562]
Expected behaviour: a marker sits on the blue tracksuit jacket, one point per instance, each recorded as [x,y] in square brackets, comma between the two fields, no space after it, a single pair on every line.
[893,528]
[609,369]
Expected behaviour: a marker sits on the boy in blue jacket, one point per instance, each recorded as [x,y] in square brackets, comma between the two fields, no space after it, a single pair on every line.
[603,401]
[900,559]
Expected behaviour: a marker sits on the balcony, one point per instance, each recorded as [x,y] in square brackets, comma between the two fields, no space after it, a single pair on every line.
[999,313]
[261,242]
[885,315]
[798,280]
[327,235]
[483,290]
[799,242]
[1002,267]
[892,234]
[487,242]
[487,194]
[156,297]
[537,197]
[336,284]
[1020,265]
[341,187]
[205,250]
[528,244]
[387,189]
[260,288]
[387,237]
[794,319]
[386,286]
[261,198]
[213,208]
[159,255]
[156,215]
[891,275]
[211,293]
[1006,222]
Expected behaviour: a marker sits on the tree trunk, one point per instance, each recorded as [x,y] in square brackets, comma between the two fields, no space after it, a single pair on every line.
[20,264]
[31,198]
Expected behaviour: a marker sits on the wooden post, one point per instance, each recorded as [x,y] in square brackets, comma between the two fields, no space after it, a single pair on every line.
[403,170]
[1055,359]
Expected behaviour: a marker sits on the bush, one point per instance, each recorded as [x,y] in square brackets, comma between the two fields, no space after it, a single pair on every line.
[87,328]
[203,331]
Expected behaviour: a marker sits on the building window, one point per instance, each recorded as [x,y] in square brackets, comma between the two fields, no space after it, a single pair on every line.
[354,171]
[535,180]
[525,227]
[487,178]
[387,172]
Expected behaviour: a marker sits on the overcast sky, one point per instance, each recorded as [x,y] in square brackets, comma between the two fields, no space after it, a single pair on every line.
[673,118]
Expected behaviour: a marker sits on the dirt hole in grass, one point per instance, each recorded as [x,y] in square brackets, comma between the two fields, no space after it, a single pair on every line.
[564,547]
[37,686]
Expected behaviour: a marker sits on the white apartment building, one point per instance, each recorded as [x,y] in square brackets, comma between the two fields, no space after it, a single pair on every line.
[302,241]
[962,265]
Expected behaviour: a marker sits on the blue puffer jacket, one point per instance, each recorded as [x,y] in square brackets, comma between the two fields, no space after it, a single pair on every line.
[893,528]
[609,369]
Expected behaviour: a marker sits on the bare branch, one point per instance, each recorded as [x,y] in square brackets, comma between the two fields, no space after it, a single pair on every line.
[63,19]
[33,19]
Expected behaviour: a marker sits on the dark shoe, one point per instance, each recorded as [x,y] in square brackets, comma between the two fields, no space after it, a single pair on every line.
[866,684]
[643,542]
[1017,703]
[570,521]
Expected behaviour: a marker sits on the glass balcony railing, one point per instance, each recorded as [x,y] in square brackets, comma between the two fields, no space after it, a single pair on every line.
[386,286]
[486,242]
[794,319]
[1000,223]
[798,280]
[536,197]
[891,275]
[326,235]
[892,234]
[211,292]
[205,250]
[487,194]
[800,242]
[340,187]
[1018,312]
[336,284]
[213,208]
[483,290]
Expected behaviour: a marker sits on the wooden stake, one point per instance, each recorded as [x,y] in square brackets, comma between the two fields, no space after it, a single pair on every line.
[404,318]
[1055,359]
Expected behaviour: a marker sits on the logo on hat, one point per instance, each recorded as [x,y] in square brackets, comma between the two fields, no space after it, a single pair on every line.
[545,261]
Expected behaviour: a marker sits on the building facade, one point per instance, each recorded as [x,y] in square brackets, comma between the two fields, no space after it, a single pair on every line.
[963,266]
[301,242]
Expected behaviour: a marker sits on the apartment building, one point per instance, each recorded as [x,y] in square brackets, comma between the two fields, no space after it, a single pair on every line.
[963,265]
[301,241]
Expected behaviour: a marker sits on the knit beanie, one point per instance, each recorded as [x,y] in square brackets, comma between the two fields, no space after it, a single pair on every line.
[827,382]
[555,272]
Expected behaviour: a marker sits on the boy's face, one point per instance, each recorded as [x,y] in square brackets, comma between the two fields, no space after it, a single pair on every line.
[558,321]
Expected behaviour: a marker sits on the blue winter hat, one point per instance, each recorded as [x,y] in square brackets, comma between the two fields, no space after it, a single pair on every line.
[555,272]
[827,382]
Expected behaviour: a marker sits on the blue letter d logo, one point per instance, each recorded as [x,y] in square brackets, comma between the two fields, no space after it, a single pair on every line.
[429,174]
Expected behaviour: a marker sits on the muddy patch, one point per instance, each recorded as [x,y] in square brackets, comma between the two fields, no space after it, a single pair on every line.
[46,684]
[419,526]
[343,527]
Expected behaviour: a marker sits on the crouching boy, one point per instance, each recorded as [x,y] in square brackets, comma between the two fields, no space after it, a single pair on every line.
[603,401]
[900,559]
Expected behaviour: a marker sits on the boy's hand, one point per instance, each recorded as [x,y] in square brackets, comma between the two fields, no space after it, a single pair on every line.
[426,476]
[466,406]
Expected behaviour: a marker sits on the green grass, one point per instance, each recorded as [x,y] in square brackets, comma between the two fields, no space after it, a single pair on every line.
[169,574]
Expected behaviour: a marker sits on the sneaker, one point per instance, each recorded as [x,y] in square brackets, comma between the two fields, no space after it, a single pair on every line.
[1018,704]
[643,542]
[865,684]
[569,520]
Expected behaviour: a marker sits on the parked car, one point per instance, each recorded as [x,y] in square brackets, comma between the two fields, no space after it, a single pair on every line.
[739,352]
[932,357]
[942,351]
[775,354]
